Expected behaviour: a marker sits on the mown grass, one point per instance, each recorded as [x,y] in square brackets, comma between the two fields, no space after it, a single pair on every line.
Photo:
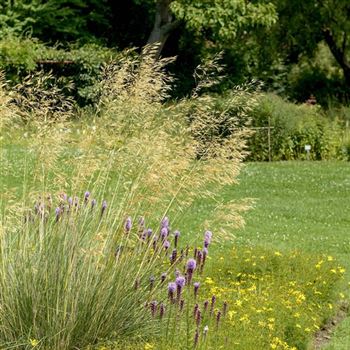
[297,205]
[341,337]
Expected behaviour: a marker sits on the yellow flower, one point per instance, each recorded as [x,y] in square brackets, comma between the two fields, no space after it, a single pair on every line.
[239,303]
[33,342]
[278,253]
[330,258]
[231,314]
[148,346]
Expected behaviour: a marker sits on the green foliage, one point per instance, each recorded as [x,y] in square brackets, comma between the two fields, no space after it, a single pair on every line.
[318,75]
[53,20]
[320,15]
[224,19]
[77,65]
[294,126]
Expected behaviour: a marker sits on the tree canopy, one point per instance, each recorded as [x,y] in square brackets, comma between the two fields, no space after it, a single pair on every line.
[276,41]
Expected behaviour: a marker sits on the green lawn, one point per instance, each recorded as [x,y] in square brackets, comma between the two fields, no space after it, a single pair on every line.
[298,205]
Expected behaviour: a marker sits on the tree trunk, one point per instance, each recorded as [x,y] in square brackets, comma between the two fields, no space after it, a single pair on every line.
[163,25]
[339,53]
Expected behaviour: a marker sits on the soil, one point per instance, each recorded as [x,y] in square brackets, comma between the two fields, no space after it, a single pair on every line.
[324,335]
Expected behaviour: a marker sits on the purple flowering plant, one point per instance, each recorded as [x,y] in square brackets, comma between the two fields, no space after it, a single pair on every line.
[162,282]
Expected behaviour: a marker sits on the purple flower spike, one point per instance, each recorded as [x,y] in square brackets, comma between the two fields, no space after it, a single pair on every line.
[196,287]
[104,207]
[171,291]
[165,222]
[191,266]
[199,257]
[198,317]
[208,235]
[207,238]
[218,317]
[180,283]
[166,245]
[143,235]
[204,254]
[224,309]
[195,310]
[151,282]
[58,213]
[173,256]
[63,196]
[86,196]
[163,277]
[149,232]
[141,221]
[196,338]
[153,306]
[164,233]
[155,239]
[213,299]
[93,203]
[70,201]
[177,235]
[182,303]
[161,310]
[128,224]
[206,303]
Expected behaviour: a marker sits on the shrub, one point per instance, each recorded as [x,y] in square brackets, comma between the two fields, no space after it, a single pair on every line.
[294,126]
[77,65]
[319,75]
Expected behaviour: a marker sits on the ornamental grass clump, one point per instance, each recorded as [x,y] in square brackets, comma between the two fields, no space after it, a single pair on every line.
[75,274]
[80,268]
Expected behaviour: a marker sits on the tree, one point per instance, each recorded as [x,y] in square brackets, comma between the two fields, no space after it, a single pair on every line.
[54,20]
[219,21]
[303,24]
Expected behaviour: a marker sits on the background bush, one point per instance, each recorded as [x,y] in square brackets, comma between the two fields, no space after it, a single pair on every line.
[294,126]
[75,65]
